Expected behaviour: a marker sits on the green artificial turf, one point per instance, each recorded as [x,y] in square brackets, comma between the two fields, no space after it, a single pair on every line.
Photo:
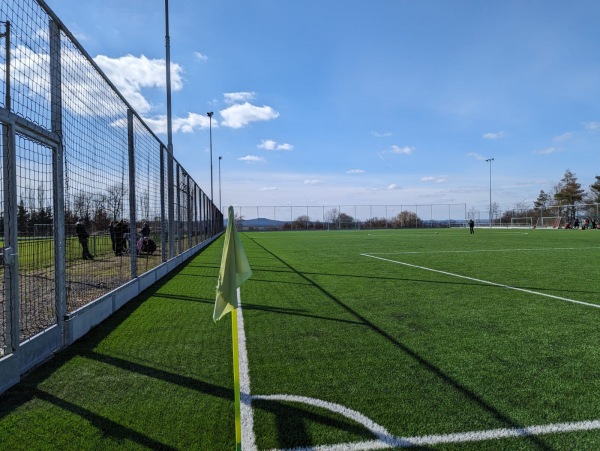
[442,333]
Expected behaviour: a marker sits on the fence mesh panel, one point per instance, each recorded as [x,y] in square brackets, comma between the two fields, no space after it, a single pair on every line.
[36,262]
[78,142]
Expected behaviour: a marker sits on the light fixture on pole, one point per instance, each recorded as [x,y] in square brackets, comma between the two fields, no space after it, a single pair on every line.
[489,160]
[220,205]
[210,115]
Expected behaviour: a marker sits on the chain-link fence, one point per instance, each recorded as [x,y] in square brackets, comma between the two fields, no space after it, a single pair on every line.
[90,198]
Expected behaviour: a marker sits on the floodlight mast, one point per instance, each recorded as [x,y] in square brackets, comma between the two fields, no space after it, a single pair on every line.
[210,115]
[489,160]
[220,205]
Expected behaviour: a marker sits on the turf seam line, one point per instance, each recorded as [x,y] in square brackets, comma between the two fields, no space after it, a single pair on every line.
[574,301]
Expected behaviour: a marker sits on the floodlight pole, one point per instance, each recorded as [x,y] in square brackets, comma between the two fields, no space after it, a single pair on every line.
[489,160]
[220,205]
[168,69]
[210,115]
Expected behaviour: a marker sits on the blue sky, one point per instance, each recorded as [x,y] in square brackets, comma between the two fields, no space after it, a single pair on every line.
[388,102]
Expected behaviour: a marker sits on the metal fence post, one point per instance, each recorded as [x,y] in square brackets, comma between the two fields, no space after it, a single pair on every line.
[60,272]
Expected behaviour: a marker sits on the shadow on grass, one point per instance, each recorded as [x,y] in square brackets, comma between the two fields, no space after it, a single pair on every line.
[464,391]
[544,289]
[292,420]
[28,389]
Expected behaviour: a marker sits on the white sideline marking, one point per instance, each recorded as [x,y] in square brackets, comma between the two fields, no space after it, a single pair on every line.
[384,438]
[247,417]
[488,250]
[483,281]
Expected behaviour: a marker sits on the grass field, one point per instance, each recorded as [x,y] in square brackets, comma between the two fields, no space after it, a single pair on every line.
[353,339]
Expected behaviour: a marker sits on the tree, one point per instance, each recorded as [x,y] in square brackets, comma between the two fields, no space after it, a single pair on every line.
[345,221]
[405,219]
[301,222]
[115,200]
[542,200]
[332,216]
[569,194]
[595,190]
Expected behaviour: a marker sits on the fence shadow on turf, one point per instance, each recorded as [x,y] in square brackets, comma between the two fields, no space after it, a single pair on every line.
[456,385]
[28,388]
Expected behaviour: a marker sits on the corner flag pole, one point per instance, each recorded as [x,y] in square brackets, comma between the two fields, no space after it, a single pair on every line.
[236,380]
[235,270]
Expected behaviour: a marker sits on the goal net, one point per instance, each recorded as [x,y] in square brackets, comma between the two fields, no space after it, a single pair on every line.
[521,222]
[554,222]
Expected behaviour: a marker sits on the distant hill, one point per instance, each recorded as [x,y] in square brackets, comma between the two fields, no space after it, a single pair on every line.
[261,222]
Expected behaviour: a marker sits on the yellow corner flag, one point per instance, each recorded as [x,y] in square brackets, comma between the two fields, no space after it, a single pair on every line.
[235,270]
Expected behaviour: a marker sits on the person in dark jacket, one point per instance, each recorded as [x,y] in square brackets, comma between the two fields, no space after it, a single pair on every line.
[82,236]
[119,231]
[471,226]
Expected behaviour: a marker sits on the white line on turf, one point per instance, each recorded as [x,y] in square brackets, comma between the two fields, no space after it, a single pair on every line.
[488,250]
[462,437]
[501,285]
[384,438]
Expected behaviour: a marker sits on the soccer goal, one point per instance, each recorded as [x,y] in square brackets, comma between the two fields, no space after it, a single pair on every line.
[554,222]
[521,222]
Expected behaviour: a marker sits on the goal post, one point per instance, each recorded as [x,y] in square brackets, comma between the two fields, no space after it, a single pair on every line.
[521,222]
[554,222]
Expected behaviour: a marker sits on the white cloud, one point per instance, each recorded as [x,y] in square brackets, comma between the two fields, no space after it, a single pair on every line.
[130,74]
[433,179]
[269,144]
[236,97]
[496,135]
[355,171]
[187,124]
[268,188]
[251,159]
[406,150]
[564,137]
[393,186]
[312,182]
[381,135]
[200,57]
[240,115]
[476,156]
[592,126]
[546,151]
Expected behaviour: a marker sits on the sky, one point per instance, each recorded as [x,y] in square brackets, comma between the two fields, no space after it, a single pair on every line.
[387,102]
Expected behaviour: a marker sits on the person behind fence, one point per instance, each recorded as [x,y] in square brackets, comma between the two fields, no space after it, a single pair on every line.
[82,236]
[471,225]
[119,234]
[145,230]
[111,231]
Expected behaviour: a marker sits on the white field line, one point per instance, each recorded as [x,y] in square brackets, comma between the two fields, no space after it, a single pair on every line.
[501,285]
[247,417]
[461,437]
[488,250]
[384,438]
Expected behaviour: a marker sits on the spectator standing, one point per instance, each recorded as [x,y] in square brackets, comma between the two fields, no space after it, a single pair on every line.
[82,236]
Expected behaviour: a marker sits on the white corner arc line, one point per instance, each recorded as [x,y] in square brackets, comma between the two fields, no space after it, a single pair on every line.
[501,285]
[385,438]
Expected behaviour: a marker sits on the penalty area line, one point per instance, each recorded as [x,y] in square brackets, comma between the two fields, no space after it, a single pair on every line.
[487,282]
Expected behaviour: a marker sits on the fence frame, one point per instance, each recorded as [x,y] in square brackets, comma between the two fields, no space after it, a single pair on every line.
[184,220]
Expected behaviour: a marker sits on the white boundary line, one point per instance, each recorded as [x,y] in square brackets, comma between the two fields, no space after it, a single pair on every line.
[384,438]
[487,250]
[483,281]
